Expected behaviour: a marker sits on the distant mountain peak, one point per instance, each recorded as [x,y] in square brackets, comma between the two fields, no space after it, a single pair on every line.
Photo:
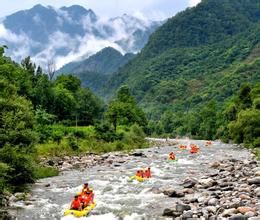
[76,9]
[38,6]
[68,33]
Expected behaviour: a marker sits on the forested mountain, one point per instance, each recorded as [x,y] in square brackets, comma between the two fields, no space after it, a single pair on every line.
[105,61]
[199,55]
[68,33]
[95,70]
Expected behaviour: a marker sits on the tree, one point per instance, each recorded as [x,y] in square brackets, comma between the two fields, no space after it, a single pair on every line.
[124,110]
[69,82]
[64,106]
[16,118]
[244,97]
[89,107]
[246,128]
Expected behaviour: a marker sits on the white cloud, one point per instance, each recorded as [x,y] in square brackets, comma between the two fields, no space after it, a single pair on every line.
[20,44]
[193,3]
[64,48]
[112,31]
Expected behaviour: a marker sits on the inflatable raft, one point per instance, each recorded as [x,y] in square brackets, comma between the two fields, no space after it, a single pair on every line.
[182,147]
[82,213]
[138,178]
[172,161]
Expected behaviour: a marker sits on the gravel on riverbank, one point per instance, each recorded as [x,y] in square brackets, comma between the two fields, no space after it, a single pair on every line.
[232,192]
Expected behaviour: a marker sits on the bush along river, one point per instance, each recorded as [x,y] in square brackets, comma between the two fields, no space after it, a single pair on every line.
[222,181]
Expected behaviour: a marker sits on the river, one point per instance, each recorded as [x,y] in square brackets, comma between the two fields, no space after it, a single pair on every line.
[116,197]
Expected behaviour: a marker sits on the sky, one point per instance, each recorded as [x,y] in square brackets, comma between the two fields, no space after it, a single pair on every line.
[152,9]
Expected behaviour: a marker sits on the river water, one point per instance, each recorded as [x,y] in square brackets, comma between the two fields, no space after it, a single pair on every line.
[116,197]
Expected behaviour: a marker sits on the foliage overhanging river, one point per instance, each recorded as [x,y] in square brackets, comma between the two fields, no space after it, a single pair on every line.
[116,197]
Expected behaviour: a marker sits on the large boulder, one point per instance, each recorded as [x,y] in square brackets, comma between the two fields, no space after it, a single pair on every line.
[171,212]
[182,207]
[189,182]
[255,180]
[173,193]
[206,183]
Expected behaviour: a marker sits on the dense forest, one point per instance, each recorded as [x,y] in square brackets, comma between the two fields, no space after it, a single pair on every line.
[193,67]
[43,117]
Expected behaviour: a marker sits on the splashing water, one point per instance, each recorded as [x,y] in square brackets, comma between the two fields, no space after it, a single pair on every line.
[116,197]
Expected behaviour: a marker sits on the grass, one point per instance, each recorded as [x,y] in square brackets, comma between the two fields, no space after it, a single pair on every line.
[44,172]
[256,152]
[73,144]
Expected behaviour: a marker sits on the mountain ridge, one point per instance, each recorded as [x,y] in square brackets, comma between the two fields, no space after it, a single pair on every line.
[67,33]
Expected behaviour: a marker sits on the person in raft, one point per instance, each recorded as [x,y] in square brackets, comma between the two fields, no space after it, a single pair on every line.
[76,203]
[87,198]
[148,173]
[139,173]
[172,156]
[85,188]
[144,173]
[194,149]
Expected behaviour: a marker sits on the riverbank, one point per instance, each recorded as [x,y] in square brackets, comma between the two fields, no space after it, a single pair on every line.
[108,173]
[83,161]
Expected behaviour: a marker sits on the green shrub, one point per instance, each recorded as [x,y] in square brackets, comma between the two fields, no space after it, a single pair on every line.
[57,136]
[72,142]
[44,172]
[21,166]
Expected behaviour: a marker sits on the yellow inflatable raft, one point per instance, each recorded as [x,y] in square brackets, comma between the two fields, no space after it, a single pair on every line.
[138,178]
[82,213]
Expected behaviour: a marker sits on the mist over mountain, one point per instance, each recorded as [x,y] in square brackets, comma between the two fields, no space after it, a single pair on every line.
[95,71]
[69,33]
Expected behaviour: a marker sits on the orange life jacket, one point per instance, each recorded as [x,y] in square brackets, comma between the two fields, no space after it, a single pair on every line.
[148,173]
[75,204]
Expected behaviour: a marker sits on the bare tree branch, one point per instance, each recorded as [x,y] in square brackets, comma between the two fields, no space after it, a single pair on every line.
[51,68]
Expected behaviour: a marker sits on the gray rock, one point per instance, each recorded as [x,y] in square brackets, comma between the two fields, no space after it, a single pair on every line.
[211,209]
[255,180]
[173,193]
[206,183]
[215,164]
[182,207]
[257,191]
[257,173]
[189,182]
[212,202]
[187,215]
[229,212]
[250,214]
[238,217]
[171,212]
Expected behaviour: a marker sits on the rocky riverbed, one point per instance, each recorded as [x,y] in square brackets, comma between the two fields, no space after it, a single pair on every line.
[220,182]
[82,162]
[232,191]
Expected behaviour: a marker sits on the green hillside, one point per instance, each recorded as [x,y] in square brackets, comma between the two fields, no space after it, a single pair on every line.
[199,55]
[95,70]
